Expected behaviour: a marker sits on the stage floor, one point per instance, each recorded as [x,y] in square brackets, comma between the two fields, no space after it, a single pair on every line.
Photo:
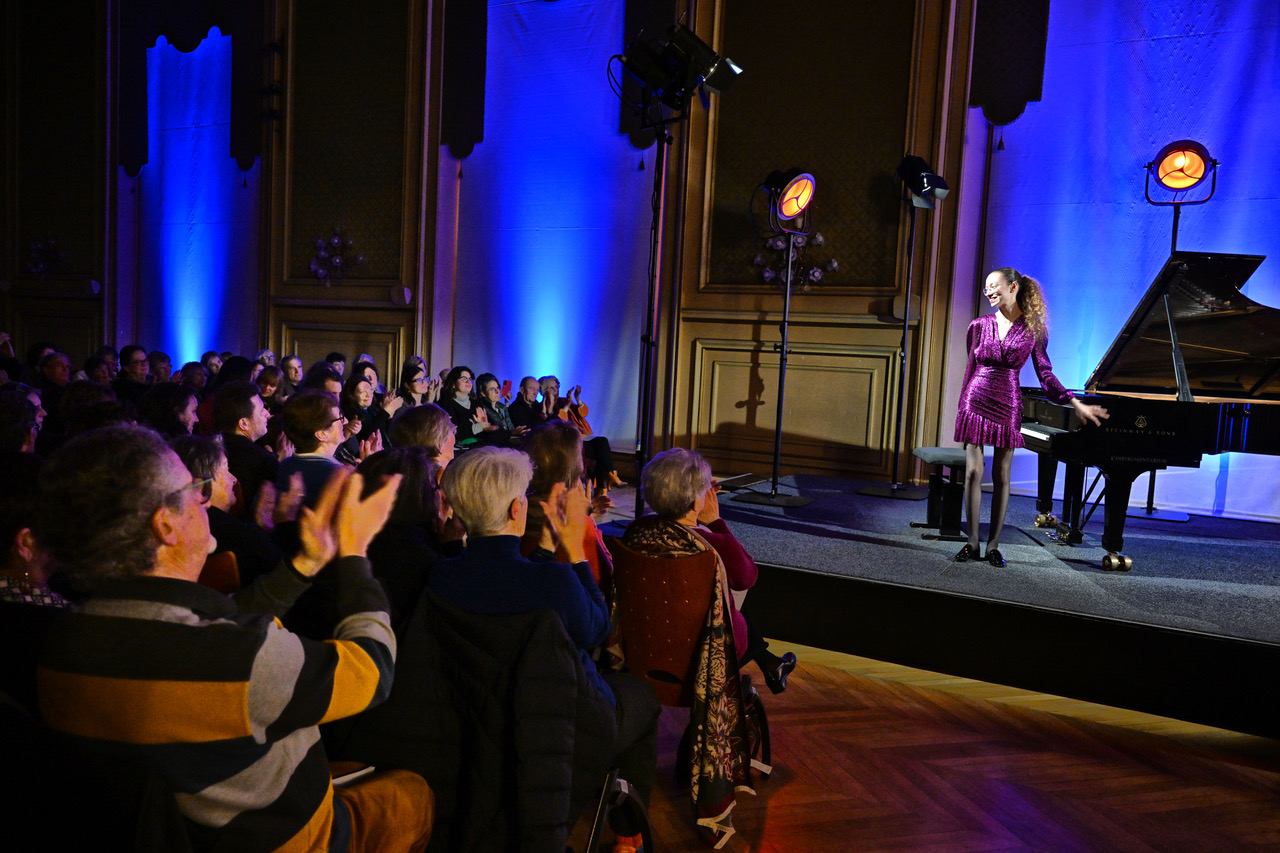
[1210,575]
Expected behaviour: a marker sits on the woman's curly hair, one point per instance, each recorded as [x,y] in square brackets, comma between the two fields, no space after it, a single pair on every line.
[1030,301]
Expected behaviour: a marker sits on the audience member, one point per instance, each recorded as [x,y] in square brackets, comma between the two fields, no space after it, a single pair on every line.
[486,488]
[97,369]
[292,367]
[415,387]
[27,605]
[408,545]
[427,426]
[489,397]
[471,420]
[240,417]
[255,551]
[339,362]
[678,485]
[225,702]
[270,386]
[21,417]
[194,375]
[323,376]
[161,366]
[314,424]
[525,410]
[108,353]
[212,362]
[131,384]
[595,448]
[169,408]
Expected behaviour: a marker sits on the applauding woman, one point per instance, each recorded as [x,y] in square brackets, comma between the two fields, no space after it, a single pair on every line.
[470,418]
[595,449]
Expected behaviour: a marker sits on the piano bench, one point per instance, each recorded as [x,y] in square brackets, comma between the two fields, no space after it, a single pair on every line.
[946,493]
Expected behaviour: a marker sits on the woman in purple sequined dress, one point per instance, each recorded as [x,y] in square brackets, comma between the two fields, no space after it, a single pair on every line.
[990,413]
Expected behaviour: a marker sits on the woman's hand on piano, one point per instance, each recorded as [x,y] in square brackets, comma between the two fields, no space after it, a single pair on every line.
[1093,414]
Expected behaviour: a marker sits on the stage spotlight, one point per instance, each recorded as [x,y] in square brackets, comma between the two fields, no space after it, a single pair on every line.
[1182,165]
[924,185]
[674,68]
[789,192]
[717,72]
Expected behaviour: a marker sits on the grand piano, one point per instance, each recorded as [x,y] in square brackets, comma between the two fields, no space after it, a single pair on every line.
[1194,371]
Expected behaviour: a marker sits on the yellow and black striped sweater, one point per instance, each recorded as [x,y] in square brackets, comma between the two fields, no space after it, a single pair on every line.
[225,703]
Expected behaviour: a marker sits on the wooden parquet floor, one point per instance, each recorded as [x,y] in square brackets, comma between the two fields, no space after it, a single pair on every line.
[873,757]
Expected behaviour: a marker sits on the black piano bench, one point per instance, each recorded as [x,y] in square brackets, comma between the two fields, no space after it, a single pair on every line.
[946,494]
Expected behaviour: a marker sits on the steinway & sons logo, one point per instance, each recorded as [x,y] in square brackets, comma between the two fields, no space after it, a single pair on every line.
[1139,428]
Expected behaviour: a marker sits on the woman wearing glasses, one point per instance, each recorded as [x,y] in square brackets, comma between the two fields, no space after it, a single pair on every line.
[416,387]
[469,416]
[315,424]
[990,411]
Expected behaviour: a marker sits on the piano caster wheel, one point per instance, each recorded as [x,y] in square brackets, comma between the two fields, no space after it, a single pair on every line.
[1116,563]
[1045,519]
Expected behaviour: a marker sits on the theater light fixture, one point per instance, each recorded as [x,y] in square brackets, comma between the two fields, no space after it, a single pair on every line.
[1178,167]
[920,180]
[673,68]
[1182,165]
[789,192]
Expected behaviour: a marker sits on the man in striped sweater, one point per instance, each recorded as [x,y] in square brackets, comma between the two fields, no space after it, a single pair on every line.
[225,703]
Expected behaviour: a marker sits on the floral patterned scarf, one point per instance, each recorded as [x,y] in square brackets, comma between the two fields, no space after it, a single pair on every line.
[721,763]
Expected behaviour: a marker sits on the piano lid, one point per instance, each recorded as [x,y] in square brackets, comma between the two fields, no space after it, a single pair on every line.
[1230,344]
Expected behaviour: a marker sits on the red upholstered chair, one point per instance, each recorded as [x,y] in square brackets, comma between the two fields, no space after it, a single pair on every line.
[662,611]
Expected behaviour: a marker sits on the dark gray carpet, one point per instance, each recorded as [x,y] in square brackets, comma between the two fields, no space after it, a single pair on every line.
[1219,576]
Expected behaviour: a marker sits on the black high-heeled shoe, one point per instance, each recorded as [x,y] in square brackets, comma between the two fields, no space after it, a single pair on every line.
[776,676]
[995,558]
[969,552]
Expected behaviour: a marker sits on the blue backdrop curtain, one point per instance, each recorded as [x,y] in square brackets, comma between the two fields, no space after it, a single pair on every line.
[554,213]
[1123,78]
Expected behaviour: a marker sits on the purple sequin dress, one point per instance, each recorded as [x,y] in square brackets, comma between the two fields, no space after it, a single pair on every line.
[991,397]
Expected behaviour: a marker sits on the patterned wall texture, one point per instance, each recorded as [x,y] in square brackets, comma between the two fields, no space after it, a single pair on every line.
[348,115]
[824,88]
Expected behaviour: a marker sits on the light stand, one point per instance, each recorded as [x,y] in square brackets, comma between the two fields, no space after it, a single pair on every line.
[921,186]
[790,196]
[669,71]
[1178,166]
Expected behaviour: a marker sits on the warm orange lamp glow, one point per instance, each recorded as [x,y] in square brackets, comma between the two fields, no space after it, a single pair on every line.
[1182,165]
[795,196]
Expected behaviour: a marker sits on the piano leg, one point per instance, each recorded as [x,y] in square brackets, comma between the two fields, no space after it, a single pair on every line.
[1047,472]
[1072,504]
[1115,507]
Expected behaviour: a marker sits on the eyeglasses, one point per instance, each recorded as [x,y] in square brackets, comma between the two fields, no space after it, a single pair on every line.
[416,381]
[204,485]
[465,379]
[342,418]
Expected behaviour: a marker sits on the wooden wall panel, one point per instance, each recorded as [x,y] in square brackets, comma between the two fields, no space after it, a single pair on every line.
[848,115]
[53,153]
[836,400]
[312,333]
[351,153]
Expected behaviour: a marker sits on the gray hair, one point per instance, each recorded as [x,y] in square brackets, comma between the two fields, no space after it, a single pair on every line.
[545,381]
[482,483]
[98,493]
[673,480]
